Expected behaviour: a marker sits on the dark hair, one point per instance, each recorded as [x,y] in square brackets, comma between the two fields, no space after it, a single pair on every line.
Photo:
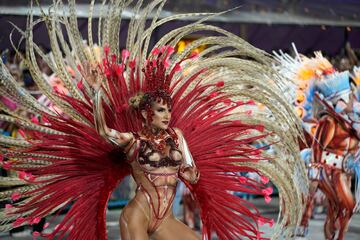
[150,97]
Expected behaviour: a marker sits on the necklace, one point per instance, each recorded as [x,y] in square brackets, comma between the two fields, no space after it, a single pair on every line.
[157,141]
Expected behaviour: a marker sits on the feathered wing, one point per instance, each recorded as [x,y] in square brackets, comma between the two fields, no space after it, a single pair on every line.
[220,114]
[216,95]
[63,162]
[225,100]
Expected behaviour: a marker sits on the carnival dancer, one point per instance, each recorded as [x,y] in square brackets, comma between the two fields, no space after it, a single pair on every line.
[131,113]
[333,156]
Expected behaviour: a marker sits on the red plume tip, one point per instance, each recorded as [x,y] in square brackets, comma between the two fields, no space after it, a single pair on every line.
[260,128]
[15,196]
[220,84]
[8,206]
[227,102]
[46,225]
[213,94]
[194,55]
[22,133]
[35,120]
[251,102]
[26,176]
[132,63]
[19,221]
[113,58]
[35,221]
[80,85]
[267,191]
[271,223]
[261,221]
[156,51]
[56,89]
[162,49]
[264,179]
[124,54]
[237,122]
[106,50]
[177,67]
[242,179]
[119,70]
[166,63]
[22,175]
[6,165]
[170,50]
[44,119]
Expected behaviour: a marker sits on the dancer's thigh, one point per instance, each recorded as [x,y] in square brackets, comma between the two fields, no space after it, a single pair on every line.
[134,221]
[172,228]
[343,191]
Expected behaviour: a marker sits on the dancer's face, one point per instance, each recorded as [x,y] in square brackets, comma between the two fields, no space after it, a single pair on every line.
[161,115]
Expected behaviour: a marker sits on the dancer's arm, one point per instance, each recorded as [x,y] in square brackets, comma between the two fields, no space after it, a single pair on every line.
[323,136]
[94,78]
[188,170]
[121,139]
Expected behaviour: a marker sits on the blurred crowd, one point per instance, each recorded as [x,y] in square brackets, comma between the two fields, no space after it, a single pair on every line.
[347,59]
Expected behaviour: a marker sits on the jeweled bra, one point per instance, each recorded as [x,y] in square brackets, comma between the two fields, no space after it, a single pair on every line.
[165,161]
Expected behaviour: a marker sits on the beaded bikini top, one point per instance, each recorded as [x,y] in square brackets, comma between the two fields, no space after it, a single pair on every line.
[149,147]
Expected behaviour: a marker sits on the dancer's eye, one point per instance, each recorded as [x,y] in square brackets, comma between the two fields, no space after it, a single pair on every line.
[161,110]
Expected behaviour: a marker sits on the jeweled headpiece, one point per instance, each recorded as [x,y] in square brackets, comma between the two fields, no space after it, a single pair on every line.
[157,75]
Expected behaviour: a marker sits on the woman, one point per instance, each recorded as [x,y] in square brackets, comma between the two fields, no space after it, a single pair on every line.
[158,156]
[330,121]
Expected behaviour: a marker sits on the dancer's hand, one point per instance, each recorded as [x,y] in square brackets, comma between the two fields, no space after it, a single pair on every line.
[92,75]
[191,174]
